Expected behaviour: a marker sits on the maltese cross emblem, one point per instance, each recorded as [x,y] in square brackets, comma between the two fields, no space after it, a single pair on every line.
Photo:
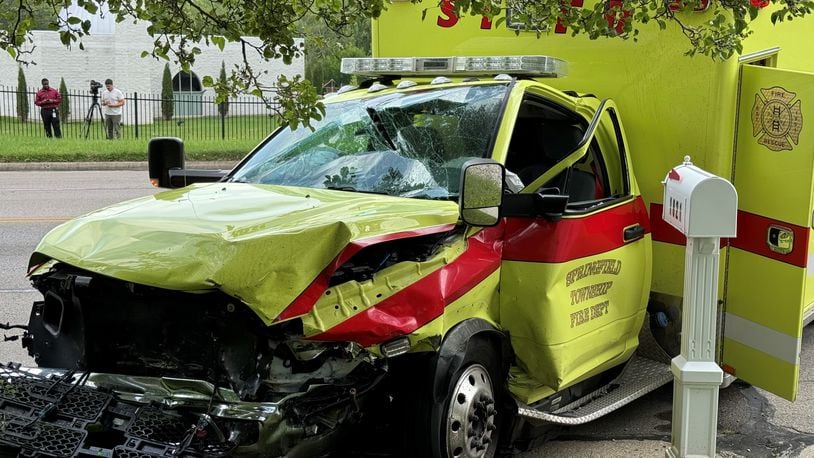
[777,119]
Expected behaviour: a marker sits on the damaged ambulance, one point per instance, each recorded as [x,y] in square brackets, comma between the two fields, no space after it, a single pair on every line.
[458,256]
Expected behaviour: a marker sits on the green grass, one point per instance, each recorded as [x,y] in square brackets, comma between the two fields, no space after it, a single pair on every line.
[26,142]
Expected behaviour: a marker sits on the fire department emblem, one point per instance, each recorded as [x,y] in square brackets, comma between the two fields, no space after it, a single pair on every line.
[777,119]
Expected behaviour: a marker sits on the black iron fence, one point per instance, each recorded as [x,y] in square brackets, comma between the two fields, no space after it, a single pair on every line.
[188,115]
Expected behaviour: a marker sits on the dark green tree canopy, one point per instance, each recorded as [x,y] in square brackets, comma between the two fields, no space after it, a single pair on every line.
[178,27]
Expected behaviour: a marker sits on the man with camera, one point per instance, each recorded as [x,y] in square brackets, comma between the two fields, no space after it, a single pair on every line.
[48,100]
[112,101]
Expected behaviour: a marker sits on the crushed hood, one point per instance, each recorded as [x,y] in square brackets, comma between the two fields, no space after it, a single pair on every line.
[263,244]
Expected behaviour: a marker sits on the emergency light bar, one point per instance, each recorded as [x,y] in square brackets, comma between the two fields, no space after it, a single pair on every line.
[540,66]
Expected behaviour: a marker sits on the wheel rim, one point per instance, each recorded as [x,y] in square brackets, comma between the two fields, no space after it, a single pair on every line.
[471,414]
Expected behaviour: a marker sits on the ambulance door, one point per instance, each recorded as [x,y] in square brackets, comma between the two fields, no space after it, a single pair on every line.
[574,286]
[770,265]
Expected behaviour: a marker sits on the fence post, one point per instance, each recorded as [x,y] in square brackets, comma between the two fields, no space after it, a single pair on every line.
[135,109]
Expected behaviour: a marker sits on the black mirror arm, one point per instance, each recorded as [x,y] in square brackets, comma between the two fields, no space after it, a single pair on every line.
[531,205]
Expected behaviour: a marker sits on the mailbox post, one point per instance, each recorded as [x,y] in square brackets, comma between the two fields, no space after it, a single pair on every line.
[704,208]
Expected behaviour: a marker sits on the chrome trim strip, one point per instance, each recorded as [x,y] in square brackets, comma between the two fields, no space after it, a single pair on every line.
[751,57]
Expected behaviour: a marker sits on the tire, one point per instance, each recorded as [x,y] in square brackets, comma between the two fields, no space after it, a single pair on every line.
[471,416]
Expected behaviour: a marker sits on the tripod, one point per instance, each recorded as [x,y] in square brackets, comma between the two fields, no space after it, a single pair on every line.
[89,116]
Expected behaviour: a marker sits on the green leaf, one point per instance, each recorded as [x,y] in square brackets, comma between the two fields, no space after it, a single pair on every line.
[219,41]
[73,20]
[208,81]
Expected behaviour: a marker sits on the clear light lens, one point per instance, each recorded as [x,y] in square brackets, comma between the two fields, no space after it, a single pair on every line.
[377,66]
[395,347]
[526,65]
[540,66]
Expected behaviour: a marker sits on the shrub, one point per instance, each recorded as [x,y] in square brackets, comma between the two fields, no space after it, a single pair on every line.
[65,104]
[167,103]
[23,106]
[223,107]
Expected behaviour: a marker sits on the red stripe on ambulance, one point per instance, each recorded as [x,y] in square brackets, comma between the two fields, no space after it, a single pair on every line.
[424,300]
[752,234]
[752,237]
[542,240]
[303,303]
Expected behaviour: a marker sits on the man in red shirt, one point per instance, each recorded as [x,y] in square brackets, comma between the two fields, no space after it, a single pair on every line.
[48,100]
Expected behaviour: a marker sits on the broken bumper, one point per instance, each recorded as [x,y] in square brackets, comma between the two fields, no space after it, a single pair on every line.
[64,414]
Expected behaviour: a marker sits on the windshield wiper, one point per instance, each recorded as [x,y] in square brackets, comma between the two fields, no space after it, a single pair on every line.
[379,125]
[352,189]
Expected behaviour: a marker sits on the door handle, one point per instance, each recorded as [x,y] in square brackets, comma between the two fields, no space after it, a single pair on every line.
[633,233]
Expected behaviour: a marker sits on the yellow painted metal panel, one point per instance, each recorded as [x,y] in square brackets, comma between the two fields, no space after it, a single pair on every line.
[556,325]
[808,296]
[266,254]
[479,302]
[765,291]
[767,278]
[775,143]
[761,369]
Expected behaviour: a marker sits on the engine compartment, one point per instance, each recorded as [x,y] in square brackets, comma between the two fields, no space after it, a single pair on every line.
[186,364]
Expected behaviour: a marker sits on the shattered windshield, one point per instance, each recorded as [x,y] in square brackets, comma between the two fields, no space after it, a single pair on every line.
[409,144]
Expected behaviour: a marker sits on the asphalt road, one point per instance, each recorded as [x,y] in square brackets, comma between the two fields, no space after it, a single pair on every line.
[752,423]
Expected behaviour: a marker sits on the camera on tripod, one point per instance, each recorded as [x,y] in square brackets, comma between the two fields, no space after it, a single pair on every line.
[94,87]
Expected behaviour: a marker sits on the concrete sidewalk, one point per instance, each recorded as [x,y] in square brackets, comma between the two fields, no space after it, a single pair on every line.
[123,165]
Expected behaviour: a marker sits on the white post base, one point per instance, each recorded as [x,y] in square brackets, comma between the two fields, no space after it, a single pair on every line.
[695,392]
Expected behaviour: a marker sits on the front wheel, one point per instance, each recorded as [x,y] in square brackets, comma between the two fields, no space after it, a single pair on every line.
[471,416]
[471,427]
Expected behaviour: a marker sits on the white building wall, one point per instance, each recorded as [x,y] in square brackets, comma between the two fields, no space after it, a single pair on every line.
[118,56]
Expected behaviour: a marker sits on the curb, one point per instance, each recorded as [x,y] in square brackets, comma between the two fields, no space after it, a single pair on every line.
[84,166]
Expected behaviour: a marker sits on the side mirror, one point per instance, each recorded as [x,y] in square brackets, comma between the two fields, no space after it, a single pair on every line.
[163,154]
[481,192]
[165,159]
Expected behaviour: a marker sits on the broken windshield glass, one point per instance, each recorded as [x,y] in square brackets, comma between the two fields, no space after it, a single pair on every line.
[409,144]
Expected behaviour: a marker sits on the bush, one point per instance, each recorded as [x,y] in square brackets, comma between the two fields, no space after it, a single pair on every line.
[223,107]
[167,103]
[23,106]
[65,104]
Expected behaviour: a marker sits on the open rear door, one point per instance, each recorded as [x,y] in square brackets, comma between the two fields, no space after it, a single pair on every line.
[769,261]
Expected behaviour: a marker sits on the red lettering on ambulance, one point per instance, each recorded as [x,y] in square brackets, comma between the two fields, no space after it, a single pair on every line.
[613,23]
[560,27]
[447,8]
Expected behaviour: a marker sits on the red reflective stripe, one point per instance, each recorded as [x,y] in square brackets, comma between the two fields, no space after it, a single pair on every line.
[752,236]
[424,300]
[663,232]
[303,303]
[753,231]
[541,240]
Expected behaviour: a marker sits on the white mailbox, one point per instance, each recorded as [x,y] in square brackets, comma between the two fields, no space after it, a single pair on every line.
[705,208]
[699,204]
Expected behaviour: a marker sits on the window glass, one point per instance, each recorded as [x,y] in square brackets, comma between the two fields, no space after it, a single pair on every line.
[410,144]
[543,136]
